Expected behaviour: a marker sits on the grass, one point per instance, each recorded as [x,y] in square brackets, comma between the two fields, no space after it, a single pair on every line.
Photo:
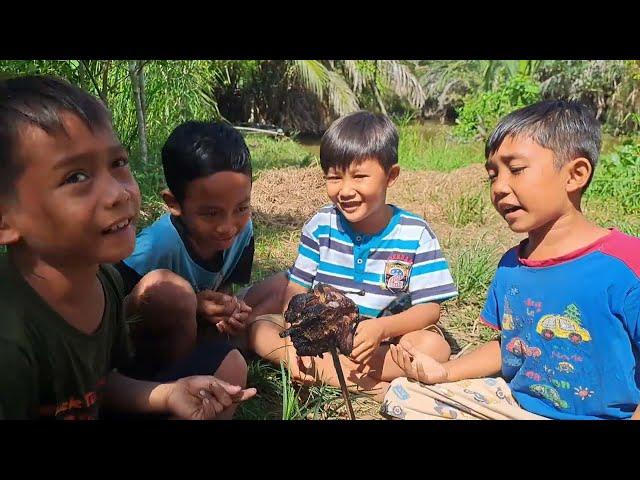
[472,267]
[268,152]
[468,208]
[418,150]
[279,398]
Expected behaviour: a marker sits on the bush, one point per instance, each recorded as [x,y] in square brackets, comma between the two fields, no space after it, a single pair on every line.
[617,176]
[482,110]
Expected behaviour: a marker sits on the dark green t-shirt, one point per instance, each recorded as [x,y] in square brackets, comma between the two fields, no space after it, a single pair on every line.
[49,369]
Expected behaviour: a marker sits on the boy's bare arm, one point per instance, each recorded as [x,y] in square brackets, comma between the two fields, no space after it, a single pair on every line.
[371,333]
[198,397]
[266,296]
[415,318]
[126,394]
[291,290]
[484,361]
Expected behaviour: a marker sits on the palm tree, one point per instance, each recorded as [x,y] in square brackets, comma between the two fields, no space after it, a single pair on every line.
[392,75]
[305,95]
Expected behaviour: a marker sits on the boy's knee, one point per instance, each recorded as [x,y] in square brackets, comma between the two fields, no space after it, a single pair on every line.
[430,343]
[264,326]
[163,294]
[233,369]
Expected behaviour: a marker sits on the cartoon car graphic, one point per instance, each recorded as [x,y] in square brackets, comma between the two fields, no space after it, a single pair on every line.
[519,348]
[551,326]
[549,393]
[565,367]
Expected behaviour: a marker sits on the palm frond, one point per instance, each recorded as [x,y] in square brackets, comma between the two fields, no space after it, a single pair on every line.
[402,81]
[314,75]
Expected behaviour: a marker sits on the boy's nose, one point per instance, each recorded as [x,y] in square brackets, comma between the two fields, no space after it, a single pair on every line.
[347,191]
[500,187]
[116,193]
[225,229]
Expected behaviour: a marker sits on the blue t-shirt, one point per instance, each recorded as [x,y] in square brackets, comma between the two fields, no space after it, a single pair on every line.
[161,246]
[570,329]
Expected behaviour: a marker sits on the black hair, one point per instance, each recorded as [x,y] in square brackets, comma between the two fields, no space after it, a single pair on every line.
[570,129]
[358,136]
[40,100]
[198,149]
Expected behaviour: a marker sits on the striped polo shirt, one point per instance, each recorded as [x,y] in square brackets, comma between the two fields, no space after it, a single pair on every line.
[373,269]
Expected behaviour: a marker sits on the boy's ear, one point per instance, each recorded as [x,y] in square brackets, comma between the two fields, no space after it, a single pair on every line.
[8,234]
[392,176]
[171,202]
[579,172]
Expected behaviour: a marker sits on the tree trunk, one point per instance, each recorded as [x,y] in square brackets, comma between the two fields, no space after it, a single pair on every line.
[137,84]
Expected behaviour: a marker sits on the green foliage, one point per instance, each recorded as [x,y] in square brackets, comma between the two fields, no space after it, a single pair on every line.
[611,87]
[473,268]
[482,110]
[466,209]
[617,177]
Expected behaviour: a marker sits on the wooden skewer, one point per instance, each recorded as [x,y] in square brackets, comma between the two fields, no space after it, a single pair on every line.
[343,384]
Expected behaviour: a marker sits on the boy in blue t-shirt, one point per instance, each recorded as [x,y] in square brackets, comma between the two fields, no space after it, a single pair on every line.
[179,277]
[566,301]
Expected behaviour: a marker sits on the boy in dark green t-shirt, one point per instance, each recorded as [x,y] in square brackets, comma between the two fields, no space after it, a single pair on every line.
[68,205]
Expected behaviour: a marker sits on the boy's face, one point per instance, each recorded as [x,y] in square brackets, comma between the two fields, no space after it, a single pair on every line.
[76,201]
[214,211]
[526,187]
[361,190]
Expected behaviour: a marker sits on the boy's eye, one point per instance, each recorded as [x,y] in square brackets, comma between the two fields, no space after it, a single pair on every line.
[76,177]
[516,170]
[121,162]
[331,178]
[360,175]
[244,208]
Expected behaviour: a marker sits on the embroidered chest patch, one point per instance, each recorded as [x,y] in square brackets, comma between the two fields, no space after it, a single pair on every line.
[396,274]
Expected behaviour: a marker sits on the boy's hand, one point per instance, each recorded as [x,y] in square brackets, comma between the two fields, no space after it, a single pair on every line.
[417,365]
[236,323]
[204,397]
[226,312]
[214,306]
[367,338]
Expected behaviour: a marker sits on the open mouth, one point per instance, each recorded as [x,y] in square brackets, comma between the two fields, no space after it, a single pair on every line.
[350,206]
[117,227]
[510,209]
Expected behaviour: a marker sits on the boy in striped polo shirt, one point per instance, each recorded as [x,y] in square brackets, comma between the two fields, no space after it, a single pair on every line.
[387,260]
